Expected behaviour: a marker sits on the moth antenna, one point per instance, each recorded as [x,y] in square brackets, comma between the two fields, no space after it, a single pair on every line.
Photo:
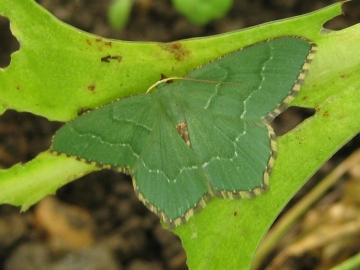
[162,81]
[188,79]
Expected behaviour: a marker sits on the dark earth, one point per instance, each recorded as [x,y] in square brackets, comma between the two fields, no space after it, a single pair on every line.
[97,222]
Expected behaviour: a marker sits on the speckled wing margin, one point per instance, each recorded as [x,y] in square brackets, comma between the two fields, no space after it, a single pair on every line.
[297,86]
[125,135]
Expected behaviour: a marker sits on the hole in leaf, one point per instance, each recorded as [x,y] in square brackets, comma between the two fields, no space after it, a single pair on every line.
[23,136]
[8,43]
[350,16]
[289,119]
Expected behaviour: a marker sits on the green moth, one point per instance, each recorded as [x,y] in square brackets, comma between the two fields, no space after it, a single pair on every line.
[207,134]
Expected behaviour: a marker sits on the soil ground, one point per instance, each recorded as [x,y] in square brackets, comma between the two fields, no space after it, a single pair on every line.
[97,222]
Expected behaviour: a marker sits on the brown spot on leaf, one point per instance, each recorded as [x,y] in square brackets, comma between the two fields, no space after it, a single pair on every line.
[176,45]
[326,114]
[182,129]
[98,39]
[117,57]
[91,87]
[176,49]
[88,41]
[111,57]
[106,59]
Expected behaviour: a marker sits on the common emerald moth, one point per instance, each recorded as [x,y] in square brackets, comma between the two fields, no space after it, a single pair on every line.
[205,135]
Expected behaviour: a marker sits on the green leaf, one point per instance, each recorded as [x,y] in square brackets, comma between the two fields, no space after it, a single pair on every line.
[26,185]
[201,12]
[226,232]
[119,12]
[206,135]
